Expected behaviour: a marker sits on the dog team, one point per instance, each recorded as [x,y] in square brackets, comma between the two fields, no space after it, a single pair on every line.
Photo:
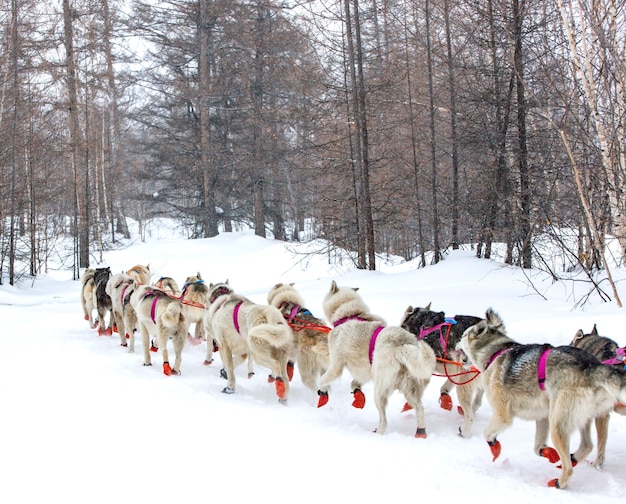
[563,389]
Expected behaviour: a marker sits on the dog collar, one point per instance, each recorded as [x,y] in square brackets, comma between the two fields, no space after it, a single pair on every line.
[496,355]
[620,357]
[373,341]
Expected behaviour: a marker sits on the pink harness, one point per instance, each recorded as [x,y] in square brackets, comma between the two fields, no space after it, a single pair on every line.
[620,357]
[541,368]
[373,342]
[153,309]
[236,315]
[374,334]
[444,344]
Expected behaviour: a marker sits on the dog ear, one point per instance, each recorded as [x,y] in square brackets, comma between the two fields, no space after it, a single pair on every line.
[594,331]
[198,275]
[427,308]
[494,320]
[578,336]
[333,287]
[355,289]
[408,310]
[292,284]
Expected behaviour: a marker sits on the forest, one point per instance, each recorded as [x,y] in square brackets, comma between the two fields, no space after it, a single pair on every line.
[401,127]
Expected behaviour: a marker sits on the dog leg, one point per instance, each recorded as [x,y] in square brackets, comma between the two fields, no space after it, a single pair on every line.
[381,397]
[227,360]
[560,437]
[445,401]
[333,372]
[145,339]
[178,342]
[602,432]
[541,437]
[464,394]
[499,422]
[586,444]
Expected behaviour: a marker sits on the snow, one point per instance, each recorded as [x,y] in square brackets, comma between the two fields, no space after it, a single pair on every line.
[84,422]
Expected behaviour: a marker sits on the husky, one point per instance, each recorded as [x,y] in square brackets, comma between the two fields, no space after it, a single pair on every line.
[116,288]
[443,335]
[103,302]
[88,295]
[246,330]
[195,297]
[161,315]
[392,357]
[561,388]
[169,285]
[610,353]
[310,334]
[140,273]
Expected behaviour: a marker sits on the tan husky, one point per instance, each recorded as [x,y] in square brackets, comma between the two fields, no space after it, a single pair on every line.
[119,289]
[140,273]
[246,330]
[195,299]
[163,316]
[561,388]
[388,355]
[310,334]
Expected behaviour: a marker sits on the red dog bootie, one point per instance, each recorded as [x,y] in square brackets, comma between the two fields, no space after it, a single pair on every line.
[406,407]
[495,447]
[167,370]
[445,401]
[290,367]
[359,399]
[323,399]
[280,388]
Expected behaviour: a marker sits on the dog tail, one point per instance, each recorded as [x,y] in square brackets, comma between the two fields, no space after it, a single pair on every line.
[418,358]
[268,323]
[172,315]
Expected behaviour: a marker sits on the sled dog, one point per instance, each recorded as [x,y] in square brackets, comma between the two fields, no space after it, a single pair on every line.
[310,334]
[443,335]
[561,388]
[195,298]
[88,295]
[392,357]
[161,315]
[608,352]
[140,273]
[246,330]
[103,302]
[119,287]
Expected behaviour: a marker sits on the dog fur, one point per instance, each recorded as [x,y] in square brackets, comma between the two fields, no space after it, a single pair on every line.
[467,382]
[103,302]
[310,334]
[88,295]
[163,316]
[120,287]
[393,360]
[578,388]
[140,273]
[195,299]
[246,330]
[605,349]
[169,285]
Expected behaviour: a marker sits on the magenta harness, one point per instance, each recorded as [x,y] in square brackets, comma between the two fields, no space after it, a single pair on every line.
[620,358]
[372,338]
[541,367]
[236,315]
[447,323]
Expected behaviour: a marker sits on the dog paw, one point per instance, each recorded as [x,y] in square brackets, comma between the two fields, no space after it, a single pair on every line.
[406,407]
[549,453]
[359,399]
[280,388]
[460,411]
[250,374]
[290,368]
[554,483]
[420,433]
[207,362]
[445,401]
[495,447]
[270,379]
[227,390]
[167,370]
[323,399]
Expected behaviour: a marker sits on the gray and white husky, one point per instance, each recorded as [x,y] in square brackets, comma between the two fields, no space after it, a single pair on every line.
[561,388]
